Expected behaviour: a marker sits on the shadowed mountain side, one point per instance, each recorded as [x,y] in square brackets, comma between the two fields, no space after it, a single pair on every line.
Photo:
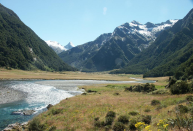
[21,48]
[172,48]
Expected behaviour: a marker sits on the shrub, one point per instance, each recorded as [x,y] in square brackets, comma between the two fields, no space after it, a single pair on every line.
[172,81]
[111,114]
[123,119]
[189,98]
[55,111]
[53,128]
[141,88]
[96,119]
[147,110]
[90,91]
[146,119]
[97,124]
[109,120]
[155,102]
[180,88]
[128,88]
[119,126]
[35,125]
[132,123]
[161,92]
[116,94]
[183,109]
[133,113]
[107,127]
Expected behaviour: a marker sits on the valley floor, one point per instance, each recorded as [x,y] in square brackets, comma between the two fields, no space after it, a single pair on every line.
[26,75]
[88,112]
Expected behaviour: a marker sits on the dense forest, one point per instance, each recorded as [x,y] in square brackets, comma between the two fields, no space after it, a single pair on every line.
[21,48]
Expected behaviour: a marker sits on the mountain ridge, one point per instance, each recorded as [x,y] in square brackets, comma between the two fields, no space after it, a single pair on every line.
[130,38]
[169,51]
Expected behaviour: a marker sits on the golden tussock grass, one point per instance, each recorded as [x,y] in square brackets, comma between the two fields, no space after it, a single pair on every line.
[67,75]
[78,112]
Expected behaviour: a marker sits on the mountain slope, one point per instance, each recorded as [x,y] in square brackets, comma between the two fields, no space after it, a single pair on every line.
[113,51]
[170,50]
[79,54]
[21,48]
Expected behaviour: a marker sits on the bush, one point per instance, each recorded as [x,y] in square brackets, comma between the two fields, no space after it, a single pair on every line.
[132,123]
[183,109]
[116,94]
[146,119]
[161,92]
[119,126]
[189,98]
[147,110]
[180,88]
[123,119]
[97,124]
[155,102]
[35,125]
[90,91]
[53,128]
[55,111]
[109,120]
[133,113]
[111,114]
[141,88]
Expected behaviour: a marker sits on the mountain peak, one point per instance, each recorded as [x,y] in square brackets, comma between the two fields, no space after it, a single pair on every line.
[135,22]
[69,45]
[150,25]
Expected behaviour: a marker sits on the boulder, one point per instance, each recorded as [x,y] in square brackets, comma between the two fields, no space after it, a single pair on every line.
[15,126]
[23,112]
[28,112]
[17,113]
[49,106]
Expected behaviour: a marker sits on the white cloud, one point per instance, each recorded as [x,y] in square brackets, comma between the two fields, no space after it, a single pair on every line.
[104,10]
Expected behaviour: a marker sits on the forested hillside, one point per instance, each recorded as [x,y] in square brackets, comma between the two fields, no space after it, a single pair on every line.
[171,51]
[21,48]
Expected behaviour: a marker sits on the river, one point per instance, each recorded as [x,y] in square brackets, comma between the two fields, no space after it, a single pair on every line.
[40,93]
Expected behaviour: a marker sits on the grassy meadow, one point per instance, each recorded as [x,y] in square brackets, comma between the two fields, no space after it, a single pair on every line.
[88,112]
[68,75]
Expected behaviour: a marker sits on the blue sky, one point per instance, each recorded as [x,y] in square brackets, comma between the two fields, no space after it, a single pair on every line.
[81,21]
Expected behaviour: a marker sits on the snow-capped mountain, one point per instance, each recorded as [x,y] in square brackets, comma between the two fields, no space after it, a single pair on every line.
[69,46]
[56,46]
[149,30]
[115,50]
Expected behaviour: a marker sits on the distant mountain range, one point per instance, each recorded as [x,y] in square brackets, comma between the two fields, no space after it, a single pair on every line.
[57,47]
[21,48]
[115,50]
[170,54]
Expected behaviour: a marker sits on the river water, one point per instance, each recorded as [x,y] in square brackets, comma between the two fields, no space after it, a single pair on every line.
[41,93]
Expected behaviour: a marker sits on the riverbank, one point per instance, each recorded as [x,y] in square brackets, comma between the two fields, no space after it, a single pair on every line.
[88,111]
[8,95]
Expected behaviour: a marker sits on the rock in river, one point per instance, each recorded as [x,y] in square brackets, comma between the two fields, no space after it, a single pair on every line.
[23,112]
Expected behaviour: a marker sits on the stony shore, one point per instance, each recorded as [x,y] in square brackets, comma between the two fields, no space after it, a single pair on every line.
[8,95]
